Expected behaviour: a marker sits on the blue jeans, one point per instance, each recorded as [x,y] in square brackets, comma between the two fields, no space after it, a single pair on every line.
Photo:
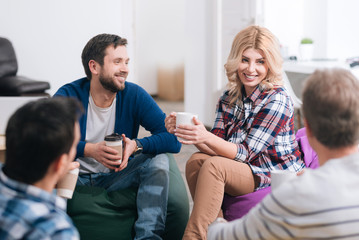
[151,175]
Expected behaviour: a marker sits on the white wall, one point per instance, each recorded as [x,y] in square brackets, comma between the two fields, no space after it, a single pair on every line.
[343,29]
[211,26]
[159,38]
[234,16]
[285,20]
[332,24]
[200,59]
[48,36]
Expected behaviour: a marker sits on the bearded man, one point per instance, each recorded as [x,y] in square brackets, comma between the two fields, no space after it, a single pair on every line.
[113,105]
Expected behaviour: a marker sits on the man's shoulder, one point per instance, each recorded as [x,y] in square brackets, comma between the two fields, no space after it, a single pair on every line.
[312,182]
[133,90]
[130,86]
[22,203]
[78,83]
[74,88]
[33,217]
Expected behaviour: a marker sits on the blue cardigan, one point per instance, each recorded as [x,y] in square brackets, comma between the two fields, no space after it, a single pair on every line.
[134,107]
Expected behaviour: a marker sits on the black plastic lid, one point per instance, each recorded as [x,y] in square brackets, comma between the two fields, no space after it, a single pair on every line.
[113,137]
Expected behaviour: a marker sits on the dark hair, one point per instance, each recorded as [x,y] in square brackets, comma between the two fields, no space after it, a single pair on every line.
[95,49]
[37,134]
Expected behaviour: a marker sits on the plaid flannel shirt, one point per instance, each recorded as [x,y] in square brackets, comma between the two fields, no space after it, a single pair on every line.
[262,126]
[28,212]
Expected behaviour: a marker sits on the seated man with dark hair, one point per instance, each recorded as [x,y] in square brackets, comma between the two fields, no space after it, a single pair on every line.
[321,203]
[114,105]
[41,141]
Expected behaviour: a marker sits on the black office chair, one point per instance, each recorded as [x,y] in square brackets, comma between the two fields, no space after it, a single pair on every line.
[10,83]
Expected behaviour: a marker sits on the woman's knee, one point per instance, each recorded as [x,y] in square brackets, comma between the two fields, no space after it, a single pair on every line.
[194,163]
[213,162]
[213,165]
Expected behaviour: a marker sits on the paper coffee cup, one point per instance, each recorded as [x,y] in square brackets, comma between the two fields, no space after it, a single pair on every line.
[115,141]
[279,177]
[184,118]
[66,185]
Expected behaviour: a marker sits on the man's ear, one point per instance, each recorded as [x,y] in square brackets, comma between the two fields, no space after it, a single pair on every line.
[94,67]
[61,164]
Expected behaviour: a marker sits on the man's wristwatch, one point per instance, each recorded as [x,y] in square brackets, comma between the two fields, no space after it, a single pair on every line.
[139,148]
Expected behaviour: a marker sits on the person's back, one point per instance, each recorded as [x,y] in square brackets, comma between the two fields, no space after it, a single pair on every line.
[41,140]
[28,212]
[321,203]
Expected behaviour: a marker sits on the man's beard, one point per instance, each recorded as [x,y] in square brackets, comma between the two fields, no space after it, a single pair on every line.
[108,84]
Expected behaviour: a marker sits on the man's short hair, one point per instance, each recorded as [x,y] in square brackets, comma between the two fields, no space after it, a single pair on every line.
[331,107]
[37,134]
[95,49]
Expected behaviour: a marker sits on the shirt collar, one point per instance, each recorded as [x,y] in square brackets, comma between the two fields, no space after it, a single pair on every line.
[29,191]
[254,95]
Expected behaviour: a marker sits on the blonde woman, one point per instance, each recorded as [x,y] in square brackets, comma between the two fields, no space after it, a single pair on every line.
[253,132]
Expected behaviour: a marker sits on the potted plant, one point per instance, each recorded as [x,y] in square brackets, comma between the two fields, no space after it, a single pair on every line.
[306,49]
[306,41]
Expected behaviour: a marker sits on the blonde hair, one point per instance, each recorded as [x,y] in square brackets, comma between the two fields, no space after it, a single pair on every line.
[258,38]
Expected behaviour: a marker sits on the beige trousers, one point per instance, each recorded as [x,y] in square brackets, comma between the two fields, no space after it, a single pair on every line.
[208,178]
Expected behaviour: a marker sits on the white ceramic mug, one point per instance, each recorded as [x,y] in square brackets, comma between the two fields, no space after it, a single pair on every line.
[185,118]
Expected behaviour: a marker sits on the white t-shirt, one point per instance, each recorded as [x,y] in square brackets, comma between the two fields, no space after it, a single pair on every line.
[100,122]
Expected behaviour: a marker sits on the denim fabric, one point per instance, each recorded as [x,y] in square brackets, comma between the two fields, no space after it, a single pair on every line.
[151,175]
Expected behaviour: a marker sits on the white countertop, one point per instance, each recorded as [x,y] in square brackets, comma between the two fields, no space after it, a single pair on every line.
[308,67]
